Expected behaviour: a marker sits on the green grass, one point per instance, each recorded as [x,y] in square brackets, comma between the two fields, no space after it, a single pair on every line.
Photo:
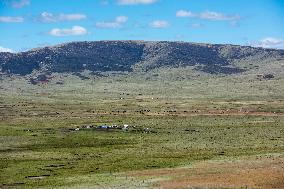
[35,140]
[50,149]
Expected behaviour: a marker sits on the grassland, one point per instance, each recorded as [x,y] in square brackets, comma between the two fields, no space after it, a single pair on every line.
[192,118]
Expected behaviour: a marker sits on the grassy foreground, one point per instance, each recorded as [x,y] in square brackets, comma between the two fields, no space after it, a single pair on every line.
[39,147]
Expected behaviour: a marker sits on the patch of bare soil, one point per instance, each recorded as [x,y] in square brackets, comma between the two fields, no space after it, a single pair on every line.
[265,172]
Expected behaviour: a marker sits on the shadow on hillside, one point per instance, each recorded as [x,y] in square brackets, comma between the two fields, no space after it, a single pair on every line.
[219,69]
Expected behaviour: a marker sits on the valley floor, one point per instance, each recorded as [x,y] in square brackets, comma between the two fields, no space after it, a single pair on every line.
[180,135]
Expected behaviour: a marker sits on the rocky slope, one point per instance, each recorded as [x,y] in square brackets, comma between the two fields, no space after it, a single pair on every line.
[101,56]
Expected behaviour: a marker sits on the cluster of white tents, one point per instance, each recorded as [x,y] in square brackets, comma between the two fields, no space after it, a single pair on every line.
[124,128]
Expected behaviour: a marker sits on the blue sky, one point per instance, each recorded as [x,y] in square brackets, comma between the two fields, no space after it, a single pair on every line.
[26,24]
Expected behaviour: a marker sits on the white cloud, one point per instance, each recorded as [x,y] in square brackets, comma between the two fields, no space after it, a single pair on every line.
[117,23]
[9,19]
[135,2]
[121,19]
[49,17]
[159,24]
[269,42]
[184,13]
[208,15]
[75,30]
[3,49]
[20,4]
[215,16]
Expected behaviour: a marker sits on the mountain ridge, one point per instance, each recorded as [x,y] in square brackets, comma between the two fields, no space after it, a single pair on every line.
[128,55]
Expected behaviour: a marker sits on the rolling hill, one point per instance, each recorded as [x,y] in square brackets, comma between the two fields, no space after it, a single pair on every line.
[102,56]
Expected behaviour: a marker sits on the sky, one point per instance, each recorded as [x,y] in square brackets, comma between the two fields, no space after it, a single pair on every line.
[27,24]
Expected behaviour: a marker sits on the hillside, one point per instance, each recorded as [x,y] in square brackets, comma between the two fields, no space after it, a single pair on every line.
[102,56]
